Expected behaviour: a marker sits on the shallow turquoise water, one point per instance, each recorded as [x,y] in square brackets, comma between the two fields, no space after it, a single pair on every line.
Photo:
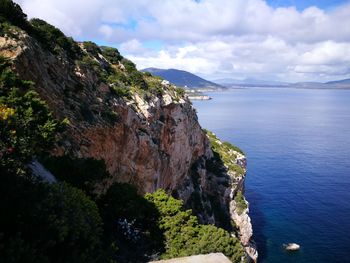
[298,181]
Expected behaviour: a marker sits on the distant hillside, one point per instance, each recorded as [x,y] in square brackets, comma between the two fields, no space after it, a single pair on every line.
[182,78]
[343,81]
[250,82]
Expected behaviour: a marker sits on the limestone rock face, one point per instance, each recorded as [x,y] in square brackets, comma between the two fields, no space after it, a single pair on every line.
[243,222]
[150,141]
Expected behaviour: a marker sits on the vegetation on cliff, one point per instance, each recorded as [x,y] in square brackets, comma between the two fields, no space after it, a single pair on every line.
[241,204]
[27,127]
[40,222]
[184,236]
[70,222]
[78,219]
[226,153]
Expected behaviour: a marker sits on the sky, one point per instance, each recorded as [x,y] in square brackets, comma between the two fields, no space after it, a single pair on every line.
[281,40]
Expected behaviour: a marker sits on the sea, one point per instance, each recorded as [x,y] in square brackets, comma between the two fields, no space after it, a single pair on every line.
[297,143]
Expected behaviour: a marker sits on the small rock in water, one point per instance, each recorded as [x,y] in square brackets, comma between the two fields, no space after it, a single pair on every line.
[291,246]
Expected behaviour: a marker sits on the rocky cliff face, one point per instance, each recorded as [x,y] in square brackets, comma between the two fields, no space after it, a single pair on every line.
[151,140]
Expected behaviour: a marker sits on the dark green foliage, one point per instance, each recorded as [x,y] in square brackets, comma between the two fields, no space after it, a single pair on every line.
[154,84]
[224,153]
[180,92]
[184,236]
[120,91]
[12,13]
[118,77]
[53,39]
[88,63]
[147,74]
[240,202]
[130,223]
[233,147]
[49,36]
[136,79]
[82,173]
[27,127]
[129,65]
[111,116]
[46,223]
[111,54]
[213,239]
[92,48]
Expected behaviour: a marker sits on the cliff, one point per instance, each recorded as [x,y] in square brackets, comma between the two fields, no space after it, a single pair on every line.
[146,131]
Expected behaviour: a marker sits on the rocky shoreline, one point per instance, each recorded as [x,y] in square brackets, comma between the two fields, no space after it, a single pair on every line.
[199,97]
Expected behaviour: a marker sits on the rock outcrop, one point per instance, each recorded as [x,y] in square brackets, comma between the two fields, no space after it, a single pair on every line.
[151,140]
[243,223]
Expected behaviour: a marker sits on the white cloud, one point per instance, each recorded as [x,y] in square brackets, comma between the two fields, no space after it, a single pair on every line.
[213,37]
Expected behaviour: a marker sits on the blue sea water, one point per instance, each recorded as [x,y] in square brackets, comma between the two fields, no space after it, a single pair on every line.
[297,142]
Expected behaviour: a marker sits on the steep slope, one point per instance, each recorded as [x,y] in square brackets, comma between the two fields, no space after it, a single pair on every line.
[182,78]
[146,132]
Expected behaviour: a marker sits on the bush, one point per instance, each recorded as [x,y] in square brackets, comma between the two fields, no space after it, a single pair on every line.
[27,127]
[180,92]
[118,77]
[130,222]
[88,63]
[184,236]
[111,54]
[83,173]
[53,39]
[111,116]
[224,153]
[129,65]
[47,223]
[137,80]
[92,48]
[12,13]
[241,204]
[120,91]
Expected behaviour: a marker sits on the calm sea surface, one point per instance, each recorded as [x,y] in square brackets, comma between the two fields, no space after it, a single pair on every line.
[298,183]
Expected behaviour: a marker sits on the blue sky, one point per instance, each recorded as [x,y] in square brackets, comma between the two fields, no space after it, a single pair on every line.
[286,40]
[301,5]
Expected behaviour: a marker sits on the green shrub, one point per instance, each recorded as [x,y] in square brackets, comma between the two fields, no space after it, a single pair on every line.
[120,91]
[118,77]
[180,92]
[137,80]
[240,202]
[83,173]
[147,74]
[12,13]
[88,63]
[224,153]
[130,222]
[111,54]
[184,236]
[48,223]
[154,84]
[129,65]
[27,127]
[111,116]
[92,48]
[53,39]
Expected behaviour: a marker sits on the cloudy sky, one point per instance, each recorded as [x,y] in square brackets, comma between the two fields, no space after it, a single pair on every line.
[286,40]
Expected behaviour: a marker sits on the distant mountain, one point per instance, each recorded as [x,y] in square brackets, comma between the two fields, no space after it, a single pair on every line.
[182,78]
[250,82]
[337,84]
[343,81]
